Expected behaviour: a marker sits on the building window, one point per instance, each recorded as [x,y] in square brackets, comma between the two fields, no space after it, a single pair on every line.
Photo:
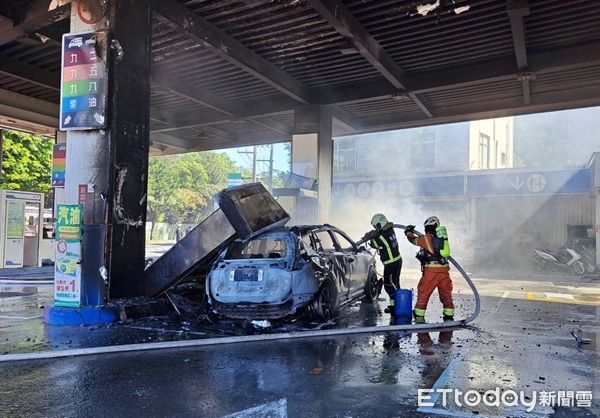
[422,152]
[344,156]
[484,151]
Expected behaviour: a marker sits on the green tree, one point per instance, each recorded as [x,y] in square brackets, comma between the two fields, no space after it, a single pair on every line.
[181,187]
[161,180]
[27,162]
[279,176]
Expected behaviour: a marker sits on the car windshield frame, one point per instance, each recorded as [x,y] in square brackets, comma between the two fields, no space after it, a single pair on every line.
[354,247]
[307,240]
[237,248]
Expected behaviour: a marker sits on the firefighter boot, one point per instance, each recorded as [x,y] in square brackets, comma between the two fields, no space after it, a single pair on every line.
[448,314]
[390,307]
[419,315]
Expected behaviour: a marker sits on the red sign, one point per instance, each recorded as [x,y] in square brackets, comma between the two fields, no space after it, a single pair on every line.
[82,195]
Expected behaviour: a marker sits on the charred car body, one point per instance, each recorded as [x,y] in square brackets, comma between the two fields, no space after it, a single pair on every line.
[285,271]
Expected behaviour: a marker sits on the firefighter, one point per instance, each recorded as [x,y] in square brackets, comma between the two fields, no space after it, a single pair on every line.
[383,239]
[433,255]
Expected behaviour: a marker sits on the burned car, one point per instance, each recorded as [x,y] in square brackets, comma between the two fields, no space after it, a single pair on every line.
[291,270]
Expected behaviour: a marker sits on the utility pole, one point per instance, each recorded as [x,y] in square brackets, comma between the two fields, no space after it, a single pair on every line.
[271,169]
[269,162]
[254,164]
[256,161]
[253,160]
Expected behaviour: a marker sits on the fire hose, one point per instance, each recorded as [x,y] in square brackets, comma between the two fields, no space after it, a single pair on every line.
[322,333]
[450,324]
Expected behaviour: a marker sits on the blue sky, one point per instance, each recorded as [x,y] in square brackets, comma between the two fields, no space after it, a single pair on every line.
[280,157]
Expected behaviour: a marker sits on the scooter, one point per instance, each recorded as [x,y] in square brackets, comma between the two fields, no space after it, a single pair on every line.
[588,255]
[566,259]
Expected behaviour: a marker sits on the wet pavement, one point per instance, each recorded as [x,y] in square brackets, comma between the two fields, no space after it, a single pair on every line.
[156,249]
[521,341]
[23,330]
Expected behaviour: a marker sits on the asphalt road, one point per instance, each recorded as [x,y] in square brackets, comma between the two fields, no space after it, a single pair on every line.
[521,341]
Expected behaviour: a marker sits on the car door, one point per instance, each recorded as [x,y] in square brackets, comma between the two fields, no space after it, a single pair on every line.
[358,263]
[336,261]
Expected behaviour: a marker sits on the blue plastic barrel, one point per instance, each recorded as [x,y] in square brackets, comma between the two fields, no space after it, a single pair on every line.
[403,302]
[401,320]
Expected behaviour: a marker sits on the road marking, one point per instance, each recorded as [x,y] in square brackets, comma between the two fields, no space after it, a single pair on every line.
[559,295]
[449,412]
[534,283]
[590,300]
[447,374]
[277,409]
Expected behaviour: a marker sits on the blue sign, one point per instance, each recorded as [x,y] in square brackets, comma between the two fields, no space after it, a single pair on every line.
[482,183]
[441,186]
[530,183]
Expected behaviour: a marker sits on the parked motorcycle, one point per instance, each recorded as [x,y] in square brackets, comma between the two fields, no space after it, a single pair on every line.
[566,259]
[587,249]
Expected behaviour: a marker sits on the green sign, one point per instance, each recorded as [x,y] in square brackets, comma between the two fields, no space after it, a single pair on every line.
[67,268]
[234,179]
[68,223]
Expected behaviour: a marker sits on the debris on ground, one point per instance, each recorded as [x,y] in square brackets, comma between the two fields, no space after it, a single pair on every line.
[578,335]
[261,324]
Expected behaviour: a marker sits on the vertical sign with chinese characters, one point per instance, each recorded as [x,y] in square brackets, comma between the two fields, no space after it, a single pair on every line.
[67,270]
[84,82]
[59,158]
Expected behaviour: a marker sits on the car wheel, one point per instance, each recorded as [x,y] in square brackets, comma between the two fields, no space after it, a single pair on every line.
[579,268]
[324,305]
[372,287]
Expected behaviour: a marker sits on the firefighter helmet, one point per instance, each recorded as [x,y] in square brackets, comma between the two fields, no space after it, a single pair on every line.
[378,220]
[432,221]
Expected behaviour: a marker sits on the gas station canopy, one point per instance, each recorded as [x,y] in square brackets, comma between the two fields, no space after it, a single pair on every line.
[230,73]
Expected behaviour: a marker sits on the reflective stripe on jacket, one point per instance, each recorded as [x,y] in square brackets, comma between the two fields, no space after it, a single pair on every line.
[426,243]
[387,245]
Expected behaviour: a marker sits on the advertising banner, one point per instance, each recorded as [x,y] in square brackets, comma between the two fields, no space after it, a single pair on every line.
[15,216]
[67,270]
